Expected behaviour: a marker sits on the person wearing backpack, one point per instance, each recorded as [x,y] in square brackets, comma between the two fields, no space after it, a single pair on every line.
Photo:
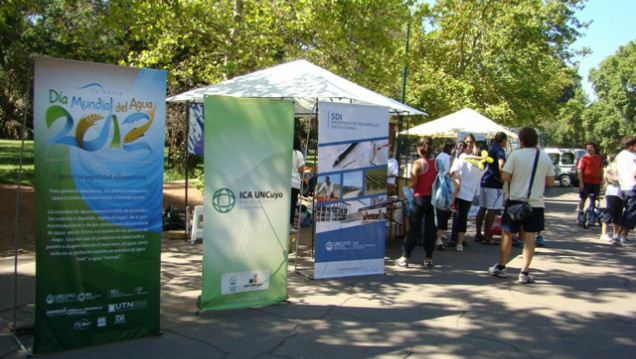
[491,194]
[442,191]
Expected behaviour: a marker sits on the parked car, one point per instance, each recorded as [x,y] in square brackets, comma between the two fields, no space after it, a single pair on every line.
[565,161]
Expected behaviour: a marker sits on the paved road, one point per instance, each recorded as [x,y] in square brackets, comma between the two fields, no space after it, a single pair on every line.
[583,306]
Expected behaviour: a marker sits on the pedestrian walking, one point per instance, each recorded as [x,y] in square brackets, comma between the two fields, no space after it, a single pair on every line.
[529,170]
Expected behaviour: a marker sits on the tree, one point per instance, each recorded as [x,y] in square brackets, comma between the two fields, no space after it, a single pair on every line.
[508,60]
[565,130]
[14,66]
[613,114]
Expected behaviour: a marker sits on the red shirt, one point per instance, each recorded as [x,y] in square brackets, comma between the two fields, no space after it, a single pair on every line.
[425,180]
[592,167]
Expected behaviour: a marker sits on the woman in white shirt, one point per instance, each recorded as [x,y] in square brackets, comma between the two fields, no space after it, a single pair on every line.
[298,167]
[613,201]
[467,178]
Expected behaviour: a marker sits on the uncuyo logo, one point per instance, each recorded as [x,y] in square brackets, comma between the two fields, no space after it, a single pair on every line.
[223,200]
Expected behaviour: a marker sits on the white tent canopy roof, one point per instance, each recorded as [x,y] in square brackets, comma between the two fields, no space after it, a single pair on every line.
[301,81]
[465,120]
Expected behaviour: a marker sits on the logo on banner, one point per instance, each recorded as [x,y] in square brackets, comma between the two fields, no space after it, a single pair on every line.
[223,200]
[106,116]
[336,121]
[338,245]
[82,324]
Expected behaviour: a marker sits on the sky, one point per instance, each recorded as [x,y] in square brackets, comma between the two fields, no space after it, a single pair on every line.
[612,26]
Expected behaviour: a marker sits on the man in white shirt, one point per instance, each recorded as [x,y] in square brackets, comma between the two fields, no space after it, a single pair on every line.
[392,169]
[326,187]
[626,172]
[518,171]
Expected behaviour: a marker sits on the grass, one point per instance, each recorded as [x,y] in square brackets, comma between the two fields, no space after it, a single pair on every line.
[10,164]
[10,151]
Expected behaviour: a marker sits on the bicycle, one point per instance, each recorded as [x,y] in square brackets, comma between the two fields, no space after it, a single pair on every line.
[594,212]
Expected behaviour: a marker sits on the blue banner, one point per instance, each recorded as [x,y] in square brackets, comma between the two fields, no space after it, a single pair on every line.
[196,124]
[351,190]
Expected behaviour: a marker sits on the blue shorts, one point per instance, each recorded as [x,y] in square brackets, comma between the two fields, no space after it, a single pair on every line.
[535,223]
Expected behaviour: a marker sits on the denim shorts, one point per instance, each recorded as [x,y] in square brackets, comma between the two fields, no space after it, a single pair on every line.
[628,220]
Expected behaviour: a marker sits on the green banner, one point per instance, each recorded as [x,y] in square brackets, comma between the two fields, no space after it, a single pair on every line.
[248,155]
[99,139]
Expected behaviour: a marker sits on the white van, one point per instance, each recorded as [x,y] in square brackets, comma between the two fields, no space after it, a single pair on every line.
[565,161]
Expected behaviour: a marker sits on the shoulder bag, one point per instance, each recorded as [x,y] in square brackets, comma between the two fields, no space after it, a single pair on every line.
[518,210]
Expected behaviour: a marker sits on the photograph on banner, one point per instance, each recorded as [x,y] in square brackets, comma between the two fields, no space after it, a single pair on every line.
[99,144]
[353,155]
[357,206]
[328,188]
[196,126]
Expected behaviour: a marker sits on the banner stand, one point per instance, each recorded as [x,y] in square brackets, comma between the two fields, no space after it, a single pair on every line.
[348,235]
[307,274]
[15,331]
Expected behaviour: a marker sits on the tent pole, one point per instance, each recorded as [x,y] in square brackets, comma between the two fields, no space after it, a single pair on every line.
[16,233]
[406,51]
[187,135]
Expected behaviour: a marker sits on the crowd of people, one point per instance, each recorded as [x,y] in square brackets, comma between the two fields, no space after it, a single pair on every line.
[505,185]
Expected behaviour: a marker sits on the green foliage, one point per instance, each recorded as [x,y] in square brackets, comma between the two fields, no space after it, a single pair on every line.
[507,60]
[510,60]
[613,115]
[566,130]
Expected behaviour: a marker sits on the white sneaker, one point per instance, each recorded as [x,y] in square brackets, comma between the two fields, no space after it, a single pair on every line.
[625,242]
[292,229]
[525,279]
[439,244]
[496,272]
[459,248]
[606,238]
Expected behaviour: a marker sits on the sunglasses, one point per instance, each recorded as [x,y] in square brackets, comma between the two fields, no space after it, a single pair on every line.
[469,142]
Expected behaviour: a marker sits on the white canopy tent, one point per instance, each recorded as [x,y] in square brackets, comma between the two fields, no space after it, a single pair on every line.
[465,120]
[301,81]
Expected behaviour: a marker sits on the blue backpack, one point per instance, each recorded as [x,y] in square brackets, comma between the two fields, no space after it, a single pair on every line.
[442,189]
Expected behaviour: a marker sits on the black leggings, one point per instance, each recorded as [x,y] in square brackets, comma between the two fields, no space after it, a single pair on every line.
[460,217]
[294,199]
[421,208]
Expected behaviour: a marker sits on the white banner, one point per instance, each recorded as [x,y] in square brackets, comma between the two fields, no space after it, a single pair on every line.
[353,147]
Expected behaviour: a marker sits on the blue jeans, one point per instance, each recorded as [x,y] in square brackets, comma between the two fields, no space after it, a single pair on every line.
[628,220]
[421,208]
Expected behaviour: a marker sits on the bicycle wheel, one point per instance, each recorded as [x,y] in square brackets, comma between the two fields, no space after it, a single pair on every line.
[587,218]
[599,217]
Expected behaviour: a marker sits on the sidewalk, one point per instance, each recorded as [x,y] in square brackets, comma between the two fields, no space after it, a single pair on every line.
[582,306]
